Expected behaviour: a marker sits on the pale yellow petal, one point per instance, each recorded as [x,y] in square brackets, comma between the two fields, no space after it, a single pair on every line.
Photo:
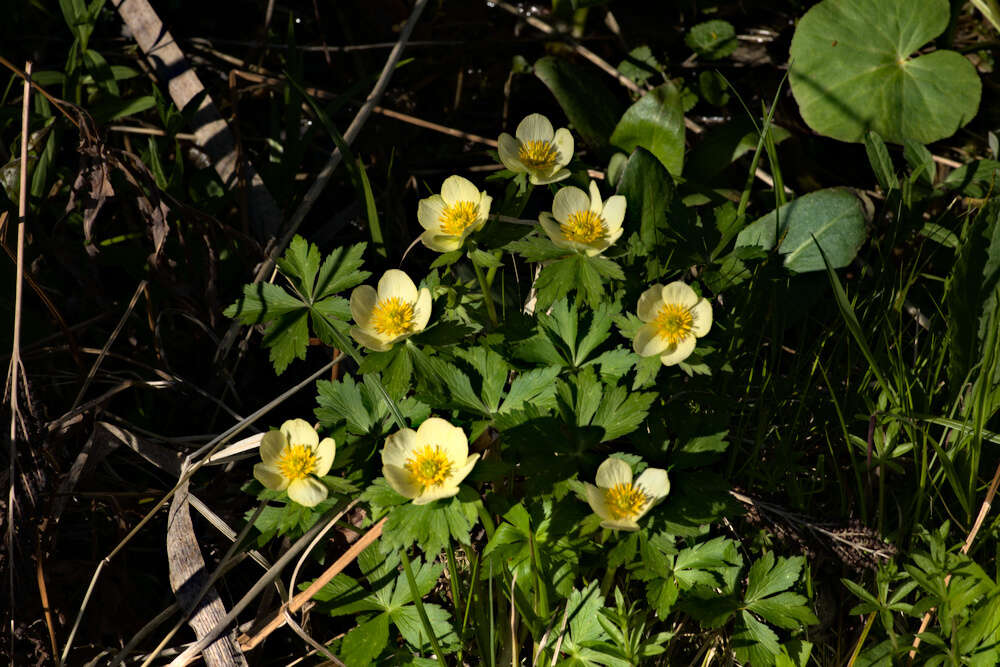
[440,242]
[396,284]
[326,450]
[654,483]
[370,340]
[680,293]
[650,303]
[613,471]
[461,472]
[569,200]
[307,492]
[597,501]
[422,310]
[429,212]
[648,342]
[271,446]
[551,228]
[596,203]
[563,141]
[363,300]
[270,477]
[485,202]
[702,313]
[509,150]
[554,176]
[620,524]
[401,481]
[535,127]
[451,439]
[614,212]
[300,432]
[432,493]
[679,353]
[399,447]
[456,189]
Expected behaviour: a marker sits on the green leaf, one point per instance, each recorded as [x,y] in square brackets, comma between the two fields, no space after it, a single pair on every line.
[976,179]
[485,259]
[639,64]
[786,610]
[647,186]
[713,39]
[535,386]
[536,249]
[584,98]
[263,302]
[767,577]
[288,338]
[365,641]
[699,451]
[407,621]
[656,123]
[620,412]
[300,264]
[755,642]
[852,70]
[832,218]
[920,160]
[114,109]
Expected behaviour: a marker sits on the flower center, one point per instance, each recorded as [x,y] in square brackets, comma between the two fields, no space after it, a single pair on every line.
[393,316]
[674,322]
[297,462]
[583,227]
[456,218]
[625,501]
[537,154]
[429,466]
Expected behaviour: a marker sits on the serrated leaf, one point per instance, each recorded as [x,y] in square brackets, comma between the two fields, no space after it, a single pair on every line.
[288,338]
[263,302]
[785,610]
[343,401]
[712,39]
[620,412]
[535,386]
[407,621]
[755,643]
[299,264]
[536,249]
[766,577]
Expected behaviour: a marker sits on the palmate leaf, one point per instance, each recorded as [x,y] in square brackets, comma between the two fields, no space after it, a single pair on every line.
[584,274]
[316,286]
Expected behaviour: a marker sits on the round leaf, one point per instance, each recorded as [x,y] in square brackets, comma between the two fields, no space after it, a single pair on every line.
[853,69]
[833,218]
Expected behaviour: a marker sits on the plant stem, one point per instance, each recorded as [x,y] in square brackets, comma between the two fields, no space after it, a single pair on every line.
[487,297]
[419,604]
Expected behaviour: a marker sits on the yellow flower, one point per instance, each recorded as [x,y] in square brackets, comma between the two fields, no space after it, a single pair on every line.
[293,457]
[392,313]
[428,463]
[587,225]
[537,150]
[451,216]
[618,500]
[674,317]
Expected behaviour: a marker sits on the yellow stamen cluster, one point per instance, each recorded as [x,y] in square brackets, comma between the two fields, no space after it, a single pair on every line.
[625,501]
[674,323]
[538,154]
[457,217]
[297,462]
[392,317]
[429,466]
[583,227]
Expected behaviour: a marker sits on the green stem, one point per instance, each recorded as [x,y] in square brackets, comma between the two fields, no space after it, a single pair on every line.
[487,297]
[456,592]
[419,604]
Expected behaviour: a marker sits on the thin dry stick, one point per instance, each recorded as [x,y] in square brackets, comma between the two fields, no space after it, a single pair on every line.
[108,344]
[206,451]
[15,355]
[312,196]
[984,509]
[296,602]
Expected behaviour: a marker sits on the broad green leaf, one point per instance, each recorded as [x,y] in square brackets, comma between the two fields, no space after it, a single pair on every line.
[262,302]
[648,187]
[976,179]
[712,39]
[300,264]
[767,577]
[288,338]
[785,610]
[536,386]
[852,70]
[832,218]
[536,249]
[584,98]
[656,123]
[407,621]
[755,642]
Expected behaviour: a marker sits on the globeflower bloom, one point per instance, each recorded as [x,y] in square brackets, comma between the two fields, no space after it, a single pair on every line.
[618,500]
[584,224]
[537,150]
[429,463]
[451,216]
[390,314]
[293,458]
[675,316]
